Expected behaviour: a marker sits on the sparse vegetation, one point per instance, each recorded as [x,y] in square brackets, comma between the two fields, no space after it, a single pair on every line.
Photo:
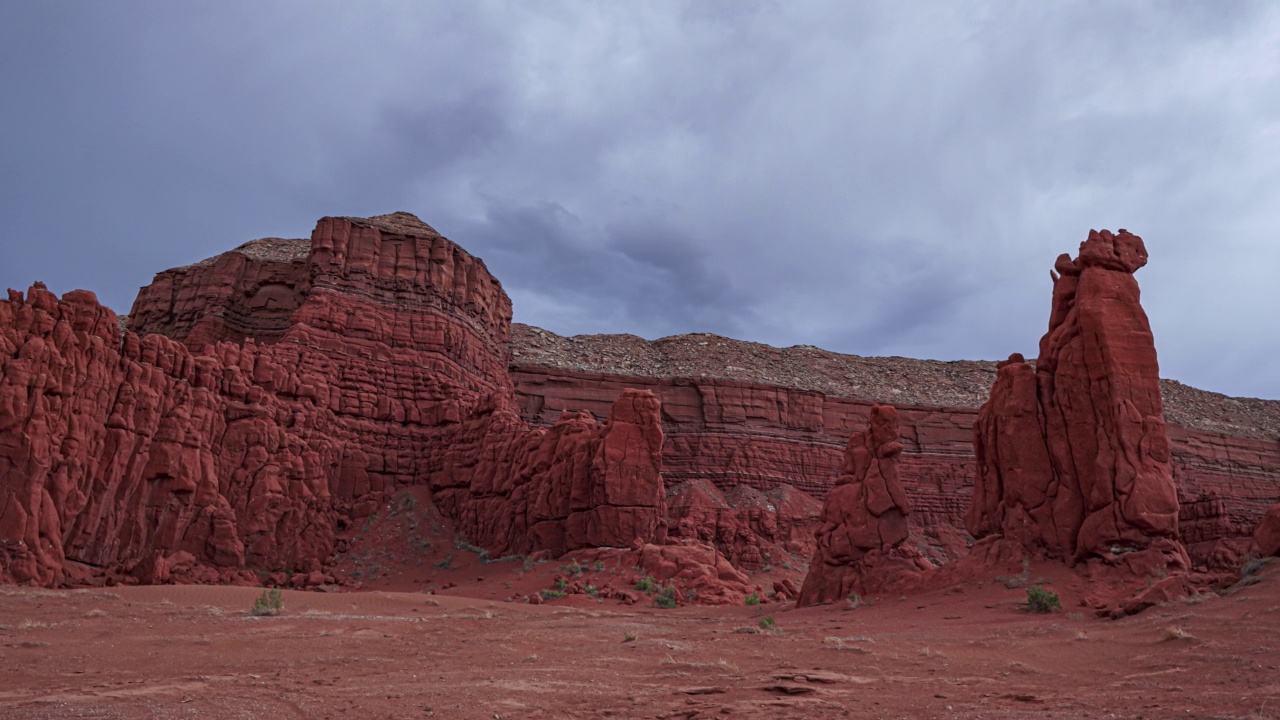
[767,623]
[574,568]
[1174,632]
[271,602]
[1040,600]
[629,637]
[853,601]
[646,584]
[404,502]
[562,585]
[550,594]
[666,598]
[1252,565]
[445,563]
[598,566]
[752,599]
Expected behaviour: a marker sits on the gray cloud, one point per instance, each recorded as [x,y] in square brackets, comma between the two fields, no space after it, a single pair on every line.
[867,177]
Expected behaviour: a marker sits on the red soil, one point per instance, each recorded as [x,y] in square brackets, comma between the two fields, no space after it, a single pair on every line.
[970,651]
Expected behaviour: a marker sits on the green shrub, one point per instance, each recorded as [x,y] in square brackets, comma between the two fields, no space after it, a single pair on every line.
[552,594]
[629,637]
[767,623]
[270,603]
[752,599]
[1040,600]
[646,584]
[562,584]
[666,598]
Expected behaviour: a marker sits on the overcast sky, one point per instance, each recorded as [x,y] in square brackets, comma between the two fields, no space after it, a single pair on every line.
[873,178]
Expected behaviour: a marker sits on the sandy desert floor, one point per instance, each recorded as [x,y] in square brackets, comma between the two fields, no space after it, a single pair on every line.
[974,651]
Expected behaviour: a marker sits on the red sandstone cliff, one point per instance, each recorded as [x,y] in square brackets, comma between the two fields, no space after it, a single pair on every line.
[265,398]
[742,414]
[269,396]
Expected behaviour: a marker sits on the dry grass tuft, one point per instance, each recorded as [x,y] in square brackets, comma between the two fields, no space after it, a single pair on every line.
[1173,632]
[96,613]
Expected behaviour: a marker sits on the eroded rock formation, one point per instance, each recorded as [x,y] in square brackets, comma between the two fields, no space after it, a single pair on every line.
[863,531]
[743,415]
[266,398]
[1073,455]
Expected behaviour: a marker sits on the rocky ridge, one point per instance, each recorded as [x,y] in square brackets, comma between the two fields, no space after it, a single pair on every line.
[898,380]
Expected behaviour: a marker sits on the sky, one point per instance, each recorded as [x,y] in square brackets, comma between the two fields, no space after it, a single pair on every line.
[877,178]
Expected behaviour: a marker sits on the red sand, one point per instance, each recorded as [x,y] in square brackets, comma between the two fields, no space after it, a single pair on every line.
[194,651]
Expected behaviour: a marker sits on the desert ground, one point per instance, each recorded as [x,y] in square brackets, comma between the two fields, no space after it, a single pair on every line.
[971,651]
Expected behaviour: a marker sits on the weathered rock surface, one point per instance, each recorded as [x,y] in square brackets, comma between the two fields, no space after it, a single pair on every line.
[577,484]
[1073,456]
[265,399]
[254,405]
[863,531]
[1267,535]
[732,434]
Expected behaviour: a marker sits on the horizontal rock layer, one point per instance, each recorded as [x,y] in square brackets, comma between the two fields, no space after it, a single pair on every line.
[728,432]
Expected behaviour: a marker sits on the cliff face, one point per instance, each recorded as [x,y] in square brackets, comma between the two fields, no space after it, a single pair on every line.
[255,404]
[264,399]
[788,428]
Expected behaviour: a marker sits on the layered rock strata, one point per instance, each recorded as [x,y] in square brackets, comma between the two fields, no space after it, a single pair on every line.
[263,400]
[741,414]
[1073,456]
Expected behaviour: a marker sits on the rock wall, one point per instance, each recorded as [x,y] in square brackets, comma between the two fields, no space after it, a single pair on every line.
[217,437]
[726,434]
[748,465]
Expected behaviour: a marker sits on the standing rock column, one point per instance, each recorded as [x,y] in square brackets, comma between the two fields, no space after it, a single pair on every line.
[864,519]
[1073,457]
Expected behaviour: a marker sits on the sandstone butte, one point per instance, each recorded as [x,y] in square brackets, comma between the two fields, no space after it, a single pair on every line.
[253,407]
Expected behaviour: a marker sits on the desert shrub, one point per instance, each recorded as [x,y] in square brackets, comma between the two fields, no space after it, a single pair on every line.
[445,563]
[629,637]
[1252,565]
[666,598]
[854,600]
[598,566]
[552,594]
[646,584]
[574,568]
[562,584]
[752,599]
[767,623]
[269,603]
[1040,600]
[404,502]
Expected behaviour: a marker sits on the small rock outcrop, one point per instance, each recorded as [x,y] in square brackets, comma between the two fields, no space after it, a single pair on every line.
[860,542]
[1073,456]
[578,484]
[1266,536]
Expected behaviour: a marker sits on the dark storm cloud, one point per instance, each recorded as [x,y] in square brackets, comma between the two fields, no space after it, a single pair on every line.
[867,177]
